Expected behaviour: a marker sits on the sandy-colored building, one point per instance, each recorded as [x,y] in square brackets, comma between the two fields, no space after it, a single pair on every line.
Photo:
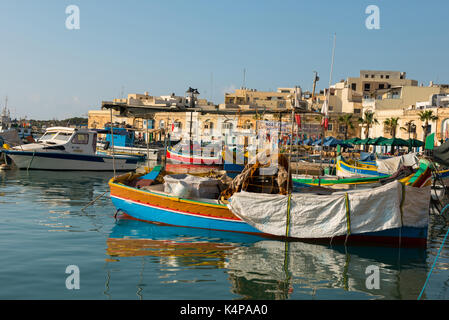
[245,98]
[406,103]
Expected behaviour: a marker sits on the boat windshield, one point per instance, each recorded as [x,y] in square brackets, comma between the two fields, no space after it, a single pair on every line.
[63,136]
[47,136]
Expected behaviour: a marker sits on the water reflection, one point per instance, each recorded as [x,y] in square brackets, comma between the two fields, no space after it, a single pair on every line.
[266,269]
[54,199]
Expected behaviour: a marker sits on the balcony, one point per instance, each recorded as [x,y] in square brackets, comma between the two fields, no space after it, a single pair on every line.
[368,103]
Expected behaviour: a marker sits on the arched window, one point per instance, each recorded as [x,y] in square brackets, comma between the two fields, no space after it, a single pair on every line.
[162,124]
[177,125]
[248,125]
[445,129]
[227,125]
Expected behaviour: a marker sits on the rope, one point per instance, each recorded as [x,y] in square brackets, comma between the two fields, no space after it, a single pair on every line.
[348,217]
[434,263]
[287,227]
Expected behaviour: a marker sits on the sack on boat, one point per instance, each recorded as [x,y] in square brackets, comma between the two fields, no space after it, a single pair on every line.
[179,189]
[196,187]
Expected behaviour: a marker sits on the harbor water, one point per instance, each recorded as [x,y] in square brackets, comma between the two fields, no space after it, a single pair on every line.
[43,231]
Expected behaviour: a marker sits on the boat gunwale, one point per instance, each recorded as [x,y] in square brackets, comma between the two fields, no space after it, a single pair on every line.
[165,196]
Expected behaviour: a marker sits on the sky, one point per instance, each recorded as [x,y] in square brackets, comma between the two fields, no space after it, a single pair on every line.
[48,71]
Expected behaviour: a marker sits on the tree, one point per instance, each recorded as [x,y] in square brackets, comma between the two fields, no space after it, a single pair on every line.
[409,128]
[368,121]
[391,125]
[346,120]
[426,116]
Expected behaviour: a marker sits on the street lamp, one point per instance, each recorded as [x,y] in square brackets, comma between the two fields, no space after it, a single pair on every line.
[192,94]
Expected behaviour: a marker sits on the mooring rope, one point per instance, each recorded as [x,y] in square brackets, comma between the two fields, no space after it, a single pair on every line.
[434,263]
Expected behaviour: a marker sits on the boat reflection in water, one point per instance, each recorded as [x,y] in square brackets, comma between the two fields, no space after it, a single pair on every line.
[266,269]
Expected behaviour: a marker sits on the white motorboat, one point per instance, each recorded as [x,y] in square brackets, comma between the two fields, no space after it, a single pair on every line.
[62,148]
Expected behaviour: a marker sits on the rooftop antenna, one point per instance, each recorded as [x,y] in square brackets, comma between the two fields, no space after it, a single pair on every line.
[244,78]
[5,108]
[122,92]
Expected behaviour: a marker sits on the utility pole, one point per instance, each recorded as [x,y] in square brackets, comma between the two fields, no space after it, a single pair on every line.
[193,93]
[315,80]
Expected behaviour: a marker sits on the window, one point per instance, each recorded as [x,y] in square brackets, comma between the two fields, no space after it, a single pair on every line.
[381,76]
[381,86]
[367,87]
[177,124]
[366,76]
[227,125]
[47,136]
[329,127]
[372,76]
[342,129]
[331,108]
[387,77]
[354,86]
[357,111]
[81,138]
[63,136]
[248,125]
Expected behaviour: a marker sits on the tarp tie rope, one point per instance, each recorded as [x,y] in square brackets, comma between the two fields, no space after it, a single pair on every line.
[287,227]
[348,216]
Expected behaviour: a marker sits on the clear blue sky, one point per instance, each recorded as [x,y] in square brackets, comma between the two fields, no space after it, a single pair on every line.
[48,71]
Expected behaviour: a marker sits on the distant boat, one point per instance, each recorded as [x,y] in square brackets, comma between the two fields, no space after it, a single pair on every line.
[123,142]
[361,172]
[200,155]
[8,134]
[62,148]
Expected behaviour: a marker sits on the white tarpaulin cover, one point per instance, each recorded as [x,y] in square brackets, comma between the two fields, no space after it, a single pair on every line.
[390,166]
[325,216]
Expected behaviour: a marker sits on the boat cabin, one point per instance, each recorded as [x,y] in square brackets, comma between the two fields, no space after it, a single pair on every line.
[62,139]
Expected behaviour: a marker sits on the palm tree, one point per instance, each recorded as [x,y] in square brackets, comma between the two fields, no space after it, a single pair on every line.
[391,125]
[409,128]
[346,120]
[426,116]
[368,122]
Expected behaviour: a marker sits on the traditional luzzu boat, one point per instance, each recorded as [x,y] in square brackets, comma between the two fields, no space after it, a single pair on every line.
[354,172]
[335,181]
[208,155]
[350,168]
[62,148]
[394,214]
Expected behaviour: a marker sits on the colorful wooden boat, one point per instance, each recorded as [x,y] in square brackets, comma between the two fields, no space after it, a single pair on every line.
[200,155]
[334,181]
[152,204]
[348,169]
[359,173]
